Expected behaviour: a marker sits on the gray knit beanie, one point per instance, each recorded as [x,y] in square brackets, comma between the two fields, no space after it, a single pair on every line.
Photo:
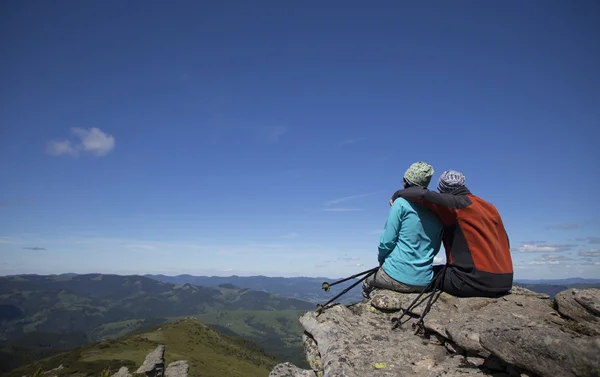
[450,181]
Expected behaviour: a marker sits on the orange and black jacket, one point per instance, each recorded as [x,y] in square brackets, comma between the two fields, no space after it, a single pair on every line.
[476,242]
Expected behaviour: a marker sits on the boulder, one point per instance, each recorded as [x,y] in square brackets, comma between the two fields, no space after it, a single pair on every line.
[582,306]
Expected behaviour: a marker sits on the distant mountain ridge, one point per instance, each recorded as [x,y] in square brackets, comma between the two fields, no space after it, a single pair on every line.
[303,288]
[309,288]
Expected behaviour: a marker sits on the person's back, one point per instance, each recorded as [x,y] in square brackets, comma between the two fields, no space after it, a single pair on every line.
[413,246]
[483,255]
[479,262]
[409,242]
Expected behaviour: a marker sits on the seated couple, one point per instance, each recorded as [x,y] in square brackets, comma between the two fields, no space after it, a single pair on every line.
[478,256]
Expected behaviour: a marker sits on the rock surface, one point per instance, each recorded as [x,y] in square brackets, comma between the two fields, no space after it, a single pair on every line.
[154,360]
[177,369]
[122,372]
[520,334]
[582,306]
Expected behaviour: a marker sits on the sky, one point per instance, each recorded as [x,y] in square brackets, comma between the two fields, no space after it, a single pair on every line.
[266,138]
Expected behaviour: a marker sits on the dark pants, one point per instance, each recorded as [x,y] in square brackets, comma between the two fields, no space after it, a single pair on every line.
[453,284]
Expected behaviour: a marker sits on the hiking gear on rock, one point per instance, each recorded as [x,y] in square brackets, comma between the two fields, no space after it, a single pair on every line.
[419,174]
[411,239]
[450,181]
[476,243]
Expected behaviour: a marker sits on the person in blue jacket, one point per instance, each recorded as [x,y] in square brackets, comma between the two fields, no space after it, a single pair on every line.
[410,240]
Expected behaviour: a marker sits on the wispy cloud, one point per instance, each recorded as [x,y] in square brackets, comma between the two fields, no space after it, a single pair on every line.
[551,259]
[35,248]
[93,141]
[351,141]
[592,240]
[533,242]
[272,134]
[329,206]
[290,235]
[342,209]
[566,226]
[543,248]
[594,253]
[61,147]
[346,198]
[375,232]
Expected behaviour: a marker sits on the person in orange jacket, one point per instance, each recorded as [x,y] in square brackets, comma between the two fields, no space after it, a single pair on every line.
[479,262]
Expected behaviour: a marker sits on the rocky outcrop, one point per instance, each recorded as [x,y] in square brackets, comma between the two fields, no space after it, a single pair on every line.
[154,364]
[582,306]
[177,369]
[123,372]
[520,334]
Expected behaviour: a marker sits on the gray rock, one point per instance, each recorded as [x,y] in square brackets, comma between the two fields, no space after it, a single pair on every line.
[122,372]
[311,350]
[582,306]
[516,290]
[517,335]
[290,370]
[154,360]
[545,351]
[360,343]
[177,369]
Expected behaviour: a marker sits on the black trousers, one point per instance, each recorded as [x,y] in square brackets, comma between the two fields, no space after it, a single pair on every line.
[452,283]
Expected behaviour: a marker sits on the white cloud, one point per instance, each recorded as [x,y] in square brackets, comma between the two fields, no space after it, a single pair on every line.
[590,253]
[550,259]
[543,248]
[61,147]
[95,141]
[290,235]
[439,259]
[92,141]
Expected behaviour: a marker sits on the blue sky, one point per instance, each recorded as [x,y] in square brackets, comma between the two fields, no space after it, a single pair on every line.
[248,138]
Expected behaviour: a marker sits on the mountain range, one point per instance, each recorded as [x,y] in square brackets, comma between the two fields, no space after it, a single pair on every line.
[309,288]
[41,315]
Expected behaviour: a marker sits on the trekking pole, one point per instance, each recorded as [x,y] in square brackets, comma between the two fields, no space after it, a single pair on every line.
[397,322]
[325,286]
[320,307]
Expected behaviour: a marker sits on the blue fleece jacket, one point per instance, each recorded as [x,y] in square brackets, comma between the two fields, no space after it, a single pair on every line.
[411,239]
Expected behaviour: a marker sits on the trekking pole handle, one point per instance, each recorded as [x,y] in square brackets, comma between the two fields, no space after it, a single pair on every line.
[325,286]
[321,308]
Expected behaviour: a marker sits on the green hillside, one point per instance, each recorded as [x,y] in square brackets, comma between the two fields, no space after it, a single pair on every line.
[43,315]
[208,353]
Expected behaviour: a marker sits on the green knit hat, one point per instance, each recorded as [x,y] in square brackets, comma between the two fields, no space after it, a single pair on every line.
[419,174]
